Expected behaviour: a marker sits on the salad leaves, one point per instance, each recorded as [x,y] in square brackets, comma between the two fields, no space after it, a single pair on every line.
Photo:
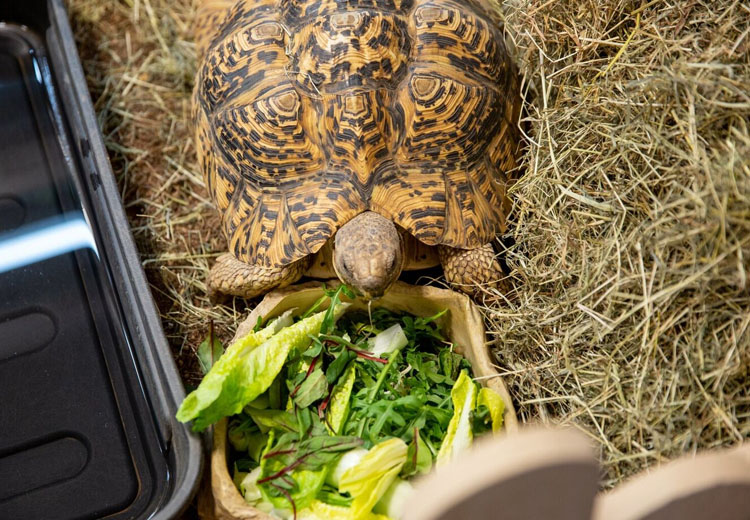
[494,403]
[319,510]
[331,413]
[245,371]
[371,477]
[459,435]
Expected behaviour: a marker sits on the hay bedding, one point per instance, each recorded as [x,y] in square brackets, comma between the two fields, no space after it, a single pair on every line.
[630,317]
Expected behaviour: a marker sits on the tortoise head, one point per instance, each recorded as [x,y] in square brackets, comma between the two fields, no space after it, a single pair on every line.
[368,254]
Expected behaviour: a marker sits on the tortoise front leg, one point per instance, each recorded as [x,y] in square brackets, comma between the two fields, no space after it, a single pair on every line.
[471,270]
[229,276]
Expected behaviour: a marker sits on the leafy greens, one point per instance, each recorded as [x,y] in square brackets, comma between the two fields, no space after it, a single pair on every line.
[331,413]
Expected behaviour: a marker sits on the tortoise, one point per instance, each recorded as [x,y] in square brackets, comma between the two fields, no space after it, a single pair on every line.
[355,137]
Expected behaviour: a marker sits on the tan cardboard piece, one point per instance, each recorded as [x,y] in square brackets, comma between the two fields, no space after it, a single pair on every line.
[712,485]
[535,474]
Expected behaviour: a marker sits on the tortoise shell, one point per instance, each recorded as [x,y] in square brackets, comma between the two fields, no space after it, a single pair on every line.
[309,112]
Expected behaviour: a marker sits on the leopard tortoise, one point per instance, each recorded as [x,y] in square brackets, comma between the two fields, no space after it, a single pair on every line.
[367,136]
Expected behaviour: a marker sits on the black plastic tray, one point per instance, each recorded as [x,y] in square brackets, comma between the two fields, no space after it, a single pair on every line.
[88,387]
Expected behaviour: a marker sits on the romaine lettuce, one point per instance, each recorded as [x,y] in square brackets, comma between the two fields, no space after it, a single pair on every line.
[369,480]
[496,406]
[340,397]
[459,436]
[245,371]
[321,511]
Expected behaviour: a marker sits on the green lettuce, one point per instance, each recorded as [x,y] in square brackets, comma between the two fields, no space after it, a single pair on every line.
[247,483]
[390,340]
[313,388]
[321,511]
[459,435]
[394,500]
[418,458]
[368,481]
[340,397]
[268,419]
[308,485]
[496,406]
[293,473]
[245,371]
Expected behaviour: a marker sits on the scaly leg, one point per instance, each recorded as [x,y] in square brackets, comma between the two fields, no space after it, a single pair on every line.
[230,276]
[471,270]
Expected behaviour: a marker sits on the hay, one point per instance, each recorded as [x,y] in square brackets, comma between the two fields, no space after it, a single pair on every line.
[139,60]
[630,315]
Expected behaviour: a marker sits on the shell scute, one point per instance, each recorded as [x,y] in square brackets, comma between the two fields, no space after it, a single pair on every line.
[445,120]
[449,32]
[266,140]
[372,51]
[246,58]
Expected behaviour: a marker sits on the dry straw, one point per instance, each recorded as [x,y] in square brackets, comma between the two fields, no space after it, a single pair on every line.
[630,313]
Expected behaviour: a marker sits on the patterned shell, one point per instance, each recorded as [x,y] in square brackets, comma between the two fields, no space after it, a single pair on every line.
[309,112]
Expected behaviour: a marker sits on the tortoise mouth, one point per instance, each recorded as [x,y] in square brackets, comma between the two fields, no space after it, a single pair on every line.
[368,288]
[371,289]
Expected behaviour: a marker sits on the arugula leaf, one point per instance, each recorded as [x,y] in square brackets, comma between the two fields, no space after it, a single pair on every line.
[450,363]
[258,324]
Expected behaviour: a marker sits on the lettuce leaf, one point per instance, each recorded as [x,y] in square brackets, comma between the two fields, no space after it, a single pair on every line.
[393,502]
[321,511]
[308,485]
[313,388]
[293,471]
[248,485]
[459,436]
[391,339]
[418,458]
[496,406]
[348,460]
[340,397]
[369,480]
[245,371]
[279,419]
